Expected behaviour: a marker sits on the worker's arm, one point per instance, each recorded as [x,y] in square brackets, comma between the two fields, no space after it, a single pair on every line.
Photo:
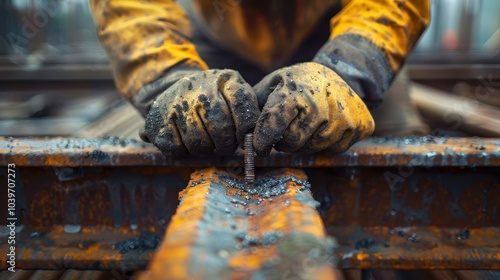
[370,40]
[316,105]
[144,40]
[188,109]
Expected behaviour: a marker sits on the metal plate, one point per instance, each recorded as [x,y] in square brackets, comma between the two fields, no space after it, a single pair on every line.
[377,151]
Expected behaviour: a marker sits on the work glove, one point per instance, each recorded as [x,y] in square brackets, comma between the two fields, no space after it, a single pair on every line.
[307,108]
[201,113]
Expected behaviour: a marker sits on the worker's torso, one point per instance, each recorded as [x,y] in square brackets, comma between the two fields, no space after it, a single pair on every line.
[266,32]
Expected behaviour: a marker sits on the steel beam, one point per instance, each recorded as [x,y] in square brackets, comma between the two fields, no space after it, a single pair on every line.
[92,248]
[378,151]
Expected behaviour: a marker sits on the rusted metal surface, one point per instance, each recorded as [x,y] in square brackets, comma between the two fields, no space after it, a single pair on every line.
[413,217]
[379,274]
[417,247]
[405,197]
[143,199]
[223,231]
[452,200]
[446,274]
[70,274]
[346,274]
[378,151]
[439,187]
[92,248]
[135,198]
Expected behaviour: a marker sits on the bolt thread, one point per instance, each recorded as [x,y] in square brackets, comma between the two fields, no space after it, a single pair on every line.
[249,159]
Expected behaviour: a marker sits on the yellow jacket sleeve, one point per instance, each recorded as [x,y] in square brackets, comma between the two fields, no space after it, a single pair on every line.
[369,41]
[144,40]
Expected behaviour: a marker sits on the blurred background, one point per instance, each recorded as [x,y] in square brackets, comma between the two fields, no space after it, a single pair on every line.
[54,77]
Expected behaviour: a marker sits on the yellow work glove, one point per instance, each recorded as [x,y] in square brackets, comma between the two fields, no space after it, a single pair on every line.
[307,108]
[201,113]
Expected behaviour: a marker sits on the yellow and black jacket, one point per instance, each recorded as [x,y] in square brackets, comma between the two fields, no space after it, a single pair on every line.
[369,39]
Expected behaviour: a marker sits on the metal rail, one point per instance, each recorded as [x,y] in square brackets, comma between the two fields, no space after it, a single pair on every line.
[377,151]
[407,203]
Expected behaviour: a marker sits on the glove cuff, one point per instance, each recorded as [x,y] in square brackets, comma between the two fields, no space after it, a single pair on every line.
[361,64]
[145,97]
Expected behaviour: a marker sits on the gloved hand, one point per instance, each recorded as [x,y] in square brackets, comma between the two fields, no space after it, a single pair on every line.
[203,112]
[307,107]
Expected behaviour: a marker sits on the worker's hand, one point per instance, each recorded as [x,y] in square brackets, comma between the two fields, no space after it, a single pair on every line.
[308,108]
[202,113]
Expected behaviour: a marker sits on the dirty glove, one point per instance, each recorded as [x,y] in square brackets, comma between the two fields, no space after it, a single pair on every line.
[307,107]
[203,112]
